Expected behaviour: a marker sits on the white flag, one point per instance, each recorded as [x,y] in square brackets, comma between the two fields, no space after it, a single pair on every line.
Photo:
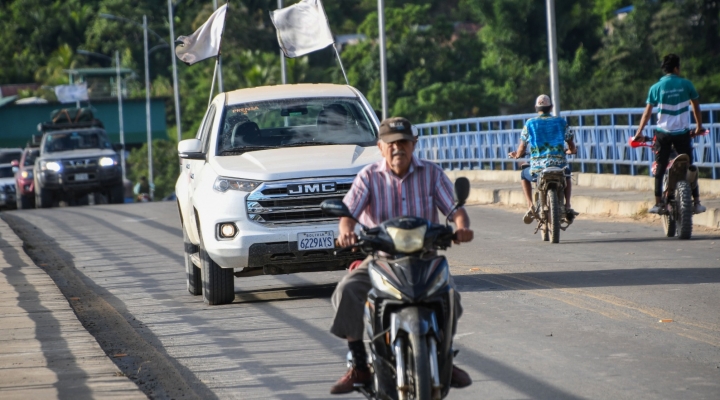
[302,28]
[71,93]
[205,42]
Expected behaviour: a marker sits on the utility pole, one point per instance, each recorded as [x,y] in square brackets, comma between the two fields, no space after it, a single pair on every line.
[552,56]
[283,65]
[147,107]
[120,114]
[383,61]
[176,88]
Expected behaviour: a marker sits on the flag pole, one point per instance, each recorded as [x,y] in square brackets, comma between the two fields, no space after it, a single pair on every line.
[212,85]
[341,64]
[219,61]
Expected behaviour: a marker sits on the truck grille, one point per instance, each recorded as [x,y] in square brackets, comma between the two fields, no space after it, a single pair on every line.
[80,165]
[271,204]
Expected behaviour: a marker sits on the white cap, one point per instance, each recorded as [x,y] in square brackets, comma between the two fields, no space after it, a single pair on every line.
[543,101]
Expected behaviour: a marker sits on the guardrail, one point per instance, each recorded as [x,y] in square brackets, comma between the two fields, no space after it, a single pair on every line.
[601,137]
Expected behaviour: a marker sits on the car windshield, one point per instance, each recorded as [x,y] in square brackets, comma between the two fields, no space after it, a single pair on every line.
[30,158]
[7,157]
[67,141]
[6,172]
[295,122]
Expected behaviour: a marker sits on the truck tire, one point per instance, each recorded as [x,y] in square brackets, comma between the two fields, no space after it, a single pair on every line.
[25,202]
[218,284]
[192,272]
[117,194]
[43,197]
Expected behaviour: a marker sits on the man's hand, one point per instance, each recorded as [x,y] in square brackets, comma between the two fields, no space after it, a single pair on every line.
[463,235]
[571,152]
[513,154]
[638,137]
[699,131]
[347,239]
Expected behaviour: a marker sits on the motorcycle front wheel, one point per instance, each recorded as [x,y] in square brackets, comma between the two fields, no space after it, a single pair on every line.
[420,368]
[684,206]
[553,224]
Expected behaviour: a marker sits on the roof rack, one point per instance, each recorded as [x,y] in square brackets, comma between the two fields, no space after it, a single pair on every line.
[51,126]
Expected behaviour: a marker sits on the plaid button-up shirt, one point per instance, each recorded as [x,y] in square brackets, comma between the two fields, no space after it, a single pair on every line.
[377,194]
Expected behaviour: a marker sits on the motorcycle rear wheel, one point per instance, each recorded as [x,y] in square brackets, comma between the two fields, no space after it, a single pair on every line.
[553,216]
[422,381]
[668,222]
[684,212]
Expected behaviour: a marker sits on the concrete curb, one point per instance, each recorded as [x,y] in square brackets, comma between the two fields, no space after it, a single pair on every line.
[582,204]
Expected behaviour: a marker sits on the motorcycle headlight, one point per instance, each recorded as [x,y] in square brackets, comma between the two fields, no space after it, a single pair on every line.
[407,240]
[224,184]
[383,284]
[439,282]
[51,165]
[106,162]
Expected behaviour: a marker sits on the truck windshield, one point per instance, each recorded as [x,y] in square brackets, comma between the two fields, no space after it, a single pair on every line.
[6,172]
[295,122]
[67,141]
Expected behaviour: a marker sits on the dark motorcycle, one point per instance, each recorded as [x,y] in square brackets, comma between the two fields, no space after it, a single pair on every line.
[409,310]
[550,211]
[679,179]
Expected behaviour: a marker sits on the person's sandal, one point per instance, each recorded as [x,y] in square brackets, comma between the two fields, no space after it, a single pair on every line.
[529,217]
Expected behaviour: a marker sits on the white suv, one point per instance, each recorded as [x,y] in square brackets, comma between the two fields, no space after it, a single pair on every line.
[253,179]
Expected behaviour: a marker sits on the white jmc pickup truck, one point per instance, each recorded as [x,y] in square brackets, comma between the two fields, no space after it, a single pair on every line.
[253,179]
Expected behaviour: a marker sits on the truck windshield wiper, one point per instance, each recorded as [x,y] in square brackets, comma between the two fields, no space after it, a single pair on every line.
[243,149]
[299,144]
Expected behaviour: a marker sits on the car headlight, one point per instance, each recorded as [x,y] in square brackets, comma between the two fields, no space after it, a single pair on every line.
[26,174]
[407,240]
[51,165]
[440,281]
[383,284]
[106,162]
[224,184]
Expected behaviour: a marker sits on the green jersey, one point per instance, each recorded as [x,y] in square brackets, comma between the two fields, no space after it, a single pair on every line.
[672,95]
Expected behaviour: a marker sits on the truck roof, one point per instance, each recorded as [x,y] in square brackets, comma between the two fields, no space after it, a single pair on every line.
[264,93]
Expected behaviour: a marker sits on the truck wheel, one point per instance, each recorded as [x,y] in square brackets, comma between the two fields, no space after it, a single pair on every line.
[25,202]
[192,272]
[117,194]
[43,197]
[218,284]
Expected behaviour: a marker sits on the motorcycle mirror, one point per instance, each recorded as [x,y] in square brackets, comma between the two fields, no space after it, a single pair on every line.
[462,190]
[336,208]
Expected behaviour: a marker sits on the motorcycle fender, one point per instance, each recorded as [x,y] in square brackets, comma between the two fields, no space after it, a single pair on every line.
[413,320]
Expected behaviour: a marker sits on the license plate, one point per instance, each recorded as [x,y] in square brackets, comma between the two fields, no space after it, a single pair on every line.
[316,240]
[81,177]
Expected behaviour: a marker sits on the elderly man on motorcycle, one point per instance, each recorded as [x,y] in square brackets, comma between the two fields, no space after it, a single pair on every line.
[672,95]
[398,185]
[546,136]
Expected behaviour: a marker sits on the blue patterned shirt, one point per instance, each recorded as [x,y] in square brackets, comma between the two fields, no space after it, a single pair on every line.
[546,136]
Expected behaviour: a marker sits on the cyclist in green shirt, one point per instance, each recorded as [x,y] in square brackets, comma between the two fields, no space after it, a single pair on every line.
[672,95]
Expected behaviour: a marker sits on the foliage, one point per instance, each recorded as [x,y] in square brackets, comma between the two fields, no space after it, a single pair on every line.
[166,165]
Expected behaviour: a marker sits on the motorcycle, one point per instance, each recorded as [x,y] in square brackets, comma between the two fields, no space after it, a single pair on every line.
[409,310]
[549,210]
[679,180]
[142,198]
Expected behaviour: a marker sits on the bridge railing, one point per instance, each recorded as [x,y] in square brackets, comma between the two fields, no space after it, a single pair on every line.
[601,137]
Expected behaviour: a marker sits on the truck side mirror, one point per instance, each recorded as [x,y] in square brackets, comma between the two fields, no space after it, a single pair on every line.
[191,149]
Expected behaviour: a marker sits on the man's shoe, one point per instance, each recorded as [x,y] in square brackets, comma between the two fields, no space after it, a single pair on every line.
[346,384]
[528,217]
[657,209]
[699,208]
[459,378]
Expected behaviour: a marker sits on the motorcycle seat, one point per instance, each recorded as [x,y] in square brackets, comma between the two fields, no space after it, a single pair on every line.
[550,170]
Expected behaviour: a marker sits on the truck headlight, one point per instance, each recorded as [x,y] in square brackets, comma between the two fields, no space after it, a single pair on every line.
[106,162]
[383,284]
[224,184]
[408,240]
[51,166]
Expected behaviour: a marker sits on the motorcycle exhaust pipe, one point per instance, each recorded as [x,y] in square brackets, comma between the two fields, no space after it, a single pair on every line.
[692,176]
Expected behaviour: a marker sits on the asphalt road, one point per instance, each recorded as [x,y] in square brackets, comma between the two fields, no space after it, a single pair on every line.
[576,320]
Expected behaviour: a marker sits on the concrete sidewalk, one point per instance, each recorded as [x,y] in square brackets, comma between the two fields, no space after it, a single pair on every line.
[45,352]
[592,194]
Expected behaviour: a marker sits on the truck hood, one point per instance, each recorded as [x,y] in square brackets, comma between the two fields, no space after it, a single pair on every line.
[296,162]
[84,153]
